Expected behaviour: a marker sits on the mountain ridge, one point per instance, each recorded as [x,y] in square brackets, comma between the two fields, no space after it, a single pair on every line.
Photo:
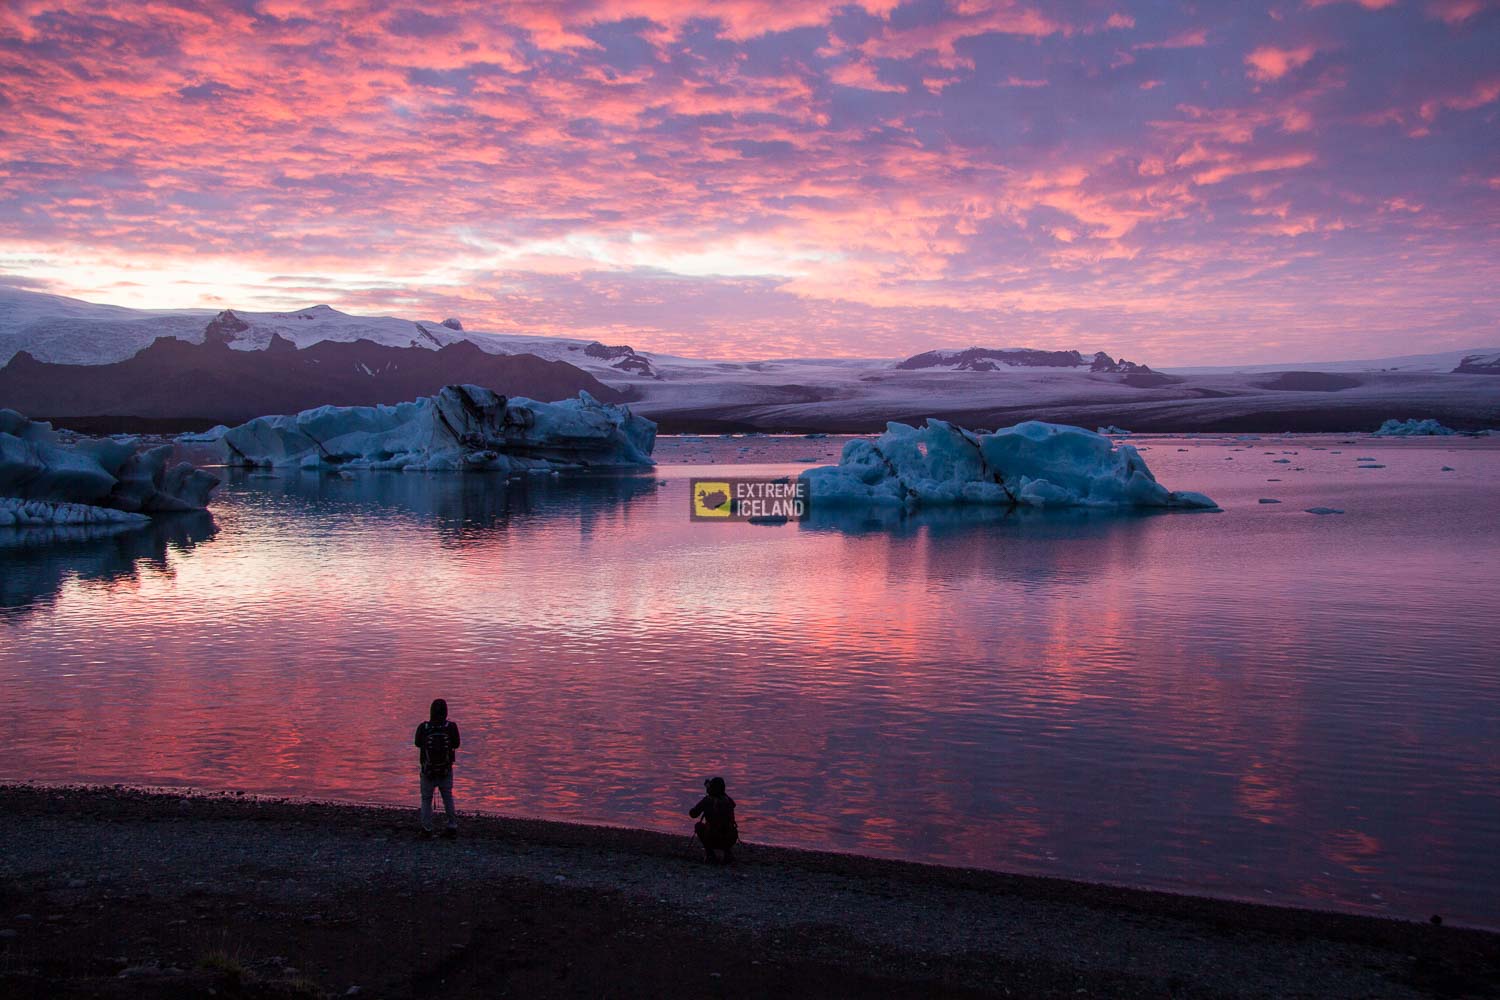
[173,378]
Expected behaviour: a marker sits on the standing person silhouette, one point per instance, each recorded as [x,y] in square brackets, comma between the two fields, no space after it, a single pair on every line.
[717,830]
[437,738]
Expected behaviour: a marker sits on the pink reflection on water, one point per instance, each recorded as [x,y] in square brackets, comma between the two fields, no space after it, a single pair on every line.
[1193,702]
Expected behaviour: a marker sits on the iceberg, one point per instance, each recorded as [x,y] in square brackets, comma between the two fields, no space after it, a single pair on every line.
[44,480]
[1032,464]
[462,427]
[1413,428]
[199,437]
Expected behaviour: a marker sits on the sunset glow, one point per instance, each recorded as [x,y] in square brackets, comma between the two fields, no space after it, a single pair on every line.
[1208,183]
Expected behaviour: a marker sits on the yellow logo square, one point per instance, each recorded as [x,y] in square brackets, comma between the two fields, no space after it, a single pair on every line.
[712,499]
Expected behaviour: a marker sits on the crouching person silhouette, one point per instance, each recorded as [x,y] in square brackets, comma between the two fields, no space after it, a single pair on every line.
[437,738]
[717,830]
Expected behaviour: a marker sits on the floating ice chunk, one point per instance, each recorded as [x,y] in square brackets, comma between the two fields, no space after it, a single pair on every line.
[1376,466]
[1323,510]
[114,473]
[461,427]
[1281,461]
[1412,428]
[1032,464]
[18,513]
[212,434]
[1446,468]
[1112,429]
[1268,500]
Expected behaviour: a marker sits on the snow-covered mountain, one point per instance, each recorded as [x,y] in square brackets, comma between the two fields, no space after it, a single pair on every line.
[1442,361]
[979,387]
[992,359]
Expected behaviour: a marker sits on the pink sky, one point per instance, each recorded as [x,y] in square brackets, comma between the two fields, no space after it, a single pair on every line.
[1177,183]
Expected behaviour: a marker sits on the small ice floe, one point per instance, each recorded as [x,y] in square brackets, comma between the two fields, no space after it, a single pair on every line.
[1281,461]
[1112,429]
[1323,510]
[1413,428]
[1374,466]
[1268,500]
[1273,480]
[18,513]
[209,435]
[1446,468]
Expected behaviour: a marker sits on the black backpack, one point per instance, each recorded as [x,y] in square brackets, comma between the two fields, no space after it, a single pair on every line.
[437,751]
[718,812]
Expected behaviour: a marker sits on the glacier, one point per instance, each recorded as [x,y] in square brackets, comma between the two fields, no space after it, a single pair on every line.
[1032,464]
[1413,428]
[462,427]
[44,480]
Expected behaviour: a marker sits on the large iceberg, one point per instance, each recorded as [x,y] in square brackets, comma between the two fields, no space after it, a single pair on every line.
[92,481]
[462,427]
[1032,464]
[1413,428]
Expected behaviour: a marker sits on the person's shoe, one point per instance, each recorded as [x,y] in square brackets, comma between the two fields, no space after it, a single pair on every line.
[451,833]
[424,835]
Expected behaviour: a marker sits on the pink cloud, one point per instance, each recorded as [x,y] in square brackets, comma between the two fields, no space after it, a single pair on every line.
[1366,4]
[1477,96]
[1271,63]
[821,175]
[861,75]
[1454,12]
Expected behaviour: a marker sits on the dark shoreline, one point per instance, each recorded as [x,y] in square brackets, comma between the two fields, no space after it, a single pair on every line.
[145,882]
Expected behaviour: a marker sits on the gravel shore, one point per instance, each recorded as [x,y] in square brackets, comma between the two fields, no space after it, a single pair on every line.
[121,892]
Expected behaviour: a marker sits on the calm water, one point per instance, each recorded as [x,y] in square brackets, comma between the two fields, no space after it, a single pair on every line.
[1262,703]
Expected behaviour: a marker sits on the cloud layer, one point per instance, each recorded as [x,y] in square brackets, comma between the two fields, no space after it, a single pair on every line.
[752,178]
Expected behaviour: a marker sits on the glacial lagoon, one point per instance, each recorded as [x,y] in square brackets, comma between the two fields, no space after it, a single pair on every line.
[1261,703]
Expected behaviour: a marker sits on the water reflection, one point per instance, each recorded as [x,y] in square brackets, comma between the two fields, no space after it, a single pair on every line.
[38,561]
[1266,704]
[460,508]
